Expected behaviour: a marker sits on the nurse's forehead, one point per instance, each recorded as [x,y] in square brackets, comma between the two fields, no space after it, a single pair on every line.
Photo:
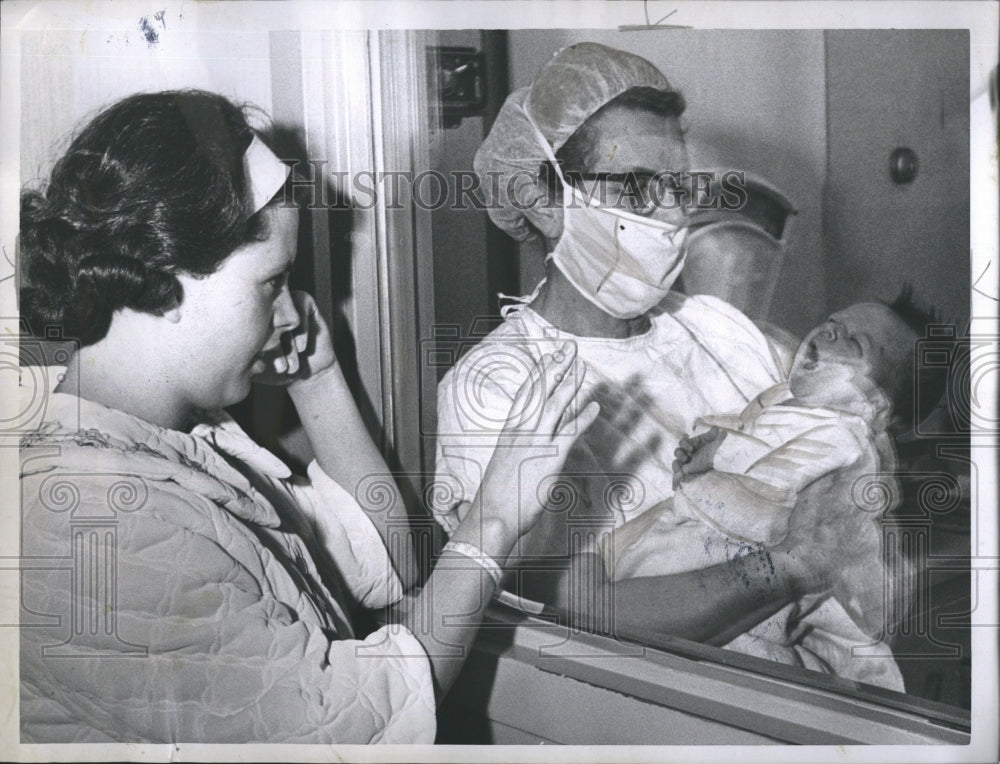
[642,148]
[638,133]
[629,155]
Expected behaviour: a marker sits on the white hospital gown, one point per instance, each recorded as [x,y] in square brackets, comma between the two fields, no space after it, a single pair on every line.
[769,454]
[700,356]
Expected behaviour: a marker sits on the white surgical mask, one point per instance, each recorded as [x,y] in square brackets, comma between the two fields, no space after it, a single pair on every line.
[623,263]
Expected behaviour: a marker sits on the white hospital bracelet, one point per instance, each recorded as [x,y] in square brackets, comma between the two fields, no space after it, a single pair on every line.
[478,556]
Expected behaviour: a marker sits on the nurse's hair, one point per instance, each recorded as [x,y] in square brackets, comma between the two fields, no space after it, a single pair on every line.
[573,155]
[152,186]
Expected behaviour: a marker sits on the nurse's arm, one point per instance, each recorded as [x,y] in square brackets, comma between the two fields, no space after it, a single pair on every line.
[711,605]
[718,603]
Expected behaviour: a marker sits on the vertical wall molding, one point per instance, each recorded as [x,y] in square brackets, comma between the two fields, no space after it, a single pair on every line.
[406,277]
[361,99]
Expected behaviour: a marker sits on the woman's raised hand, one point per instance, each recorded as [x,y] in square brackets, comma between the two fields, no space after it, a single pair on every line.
[303,352]
[544,422]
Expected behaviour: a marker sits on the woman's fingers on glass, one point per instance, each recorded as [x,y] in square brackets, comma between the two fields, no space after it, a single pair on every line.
[565,404]
[563,378]
[547,402]
[531,403]
[554,367]
[578,424]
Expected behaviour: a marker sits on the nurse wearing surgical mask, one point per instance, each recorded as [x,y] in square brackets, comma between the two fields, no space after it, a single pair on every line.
[622,244]
[608,121]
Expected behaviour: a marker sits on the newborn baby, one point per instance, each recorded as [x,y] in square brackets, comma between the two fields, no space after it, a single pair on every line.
[736,485]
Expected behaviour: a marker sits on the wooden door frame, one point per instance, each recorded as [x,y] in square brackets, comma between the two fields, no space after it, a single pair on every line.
[361,99]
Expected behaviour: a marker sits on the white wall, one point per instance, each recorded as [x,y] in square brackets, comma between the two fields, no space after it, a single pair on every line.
[756,101]
[81,71]
[899,88]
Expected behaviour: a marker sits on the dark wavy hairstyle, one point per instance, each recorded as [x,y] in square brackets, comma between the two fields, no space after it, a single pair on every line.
[152,186]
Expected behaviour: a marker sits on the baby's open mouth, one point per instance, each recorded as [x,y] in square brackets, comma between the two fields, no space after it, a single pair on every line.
[812,356]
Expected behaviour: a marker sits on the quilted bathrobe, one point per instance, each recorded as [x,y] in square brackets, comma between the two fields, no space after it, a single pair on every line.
[182,587]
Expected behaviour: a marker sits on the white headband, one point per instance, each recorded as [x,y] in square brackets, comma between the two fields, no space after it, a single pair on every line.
[264,172]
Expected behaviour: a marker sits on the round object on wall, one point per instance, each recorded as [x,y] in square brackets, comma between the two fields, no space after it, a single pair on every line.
[903,165]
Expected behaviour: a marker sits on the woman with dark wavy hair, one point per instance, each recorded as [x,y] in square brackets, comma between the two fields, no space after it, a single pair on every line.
[197,592]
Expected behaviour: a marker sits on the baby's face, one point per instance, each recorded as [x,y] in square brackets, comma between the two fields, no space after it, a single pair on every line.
[867,339]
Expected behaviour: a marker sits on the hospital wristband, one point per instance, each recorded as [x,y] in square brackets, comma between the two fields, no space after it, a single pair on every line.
[478,556]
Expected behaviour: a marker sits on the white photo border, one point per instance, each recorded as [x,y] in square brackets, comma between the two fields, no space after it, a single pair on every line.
[979,18]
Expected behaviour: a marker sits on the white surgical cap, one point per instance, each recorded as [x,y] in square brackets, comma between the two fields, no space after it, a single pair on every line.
[577,82]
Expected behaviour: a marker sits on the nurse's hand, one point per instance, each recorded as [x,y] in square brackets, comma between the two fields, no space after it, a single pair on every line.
[545,421]
[302,353]
[817,528]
